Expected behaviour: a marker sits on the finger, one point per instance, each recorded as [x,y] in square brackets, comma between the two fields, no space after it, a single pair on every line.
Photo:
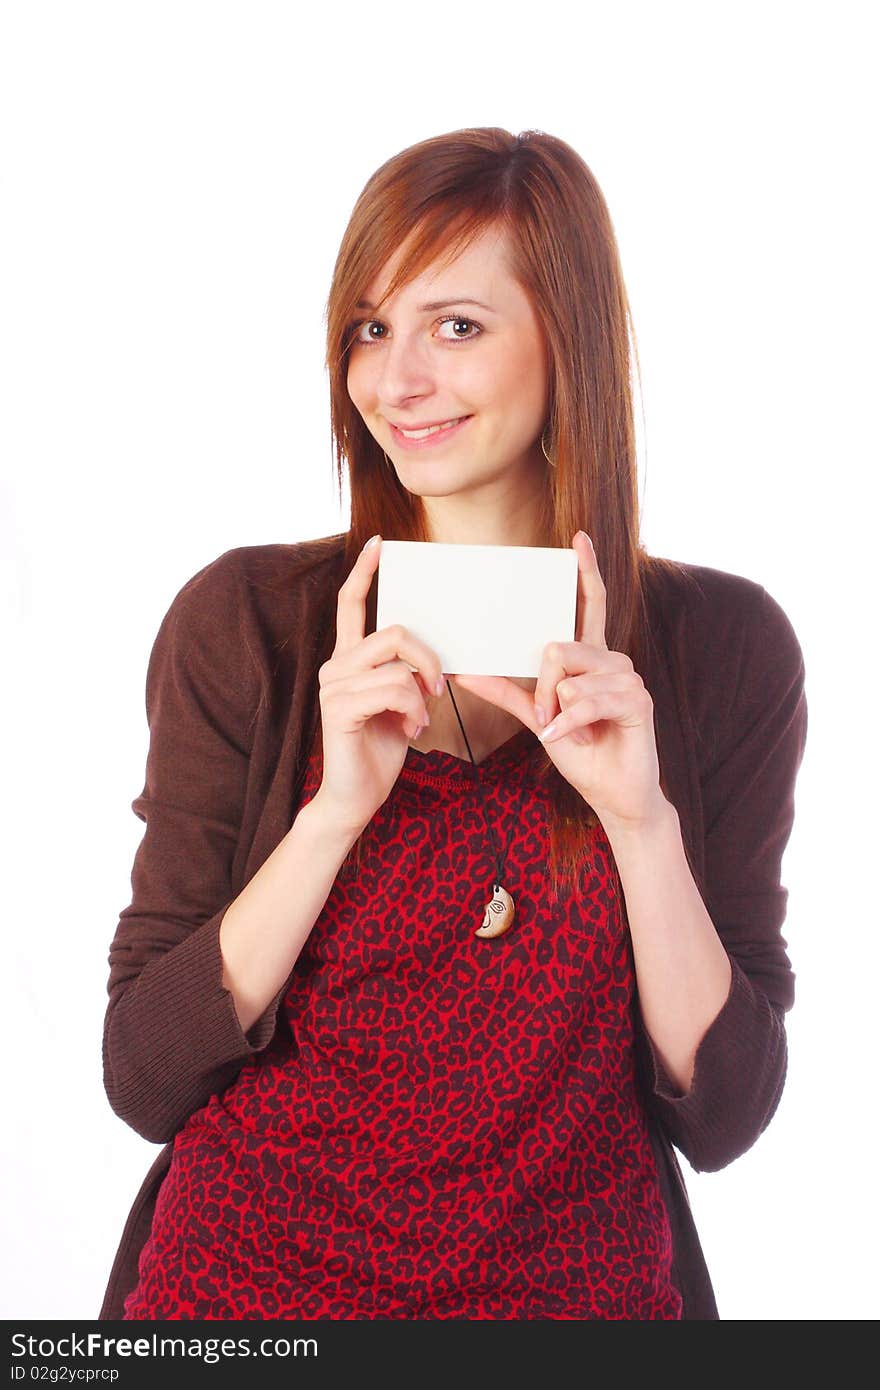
[591,600]
[351,603]
[498,690]
[575,688]
[564,659]
[349,710]
[389,672]
[398,643]
[629,708]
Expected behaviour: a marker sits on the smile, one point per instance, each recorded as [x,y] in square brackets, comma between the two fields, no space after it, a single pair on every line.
[409,439]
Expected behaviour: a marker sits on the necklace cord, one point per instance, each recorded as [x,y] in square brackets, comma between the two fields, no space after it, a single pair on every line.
[499,858]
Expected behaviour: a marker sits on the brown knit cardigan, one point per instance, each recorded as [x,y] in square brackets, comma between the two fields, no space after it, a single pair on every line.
[231,702]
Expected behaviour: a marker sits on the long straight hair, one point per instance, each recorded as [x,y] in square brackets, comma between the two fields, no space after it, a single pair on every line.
[436,197]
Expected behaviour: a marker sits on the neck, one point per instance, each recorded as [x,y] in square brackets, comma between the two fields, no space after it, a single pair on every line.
[489,518]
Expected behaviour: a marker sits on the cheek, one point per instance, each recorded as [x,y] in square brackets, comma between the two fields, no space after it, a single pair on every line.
[481,385]
[528,378]
[519,376]
[360,383]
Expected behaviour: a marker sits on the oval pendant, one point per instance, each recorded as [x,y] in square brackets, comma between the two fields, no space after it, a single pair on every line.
[499,914]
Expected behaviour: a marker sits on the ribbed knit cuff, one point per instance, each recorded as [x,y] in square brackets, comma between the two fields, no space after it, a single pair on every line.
[173,1029]
[736,1082]
[229,1038]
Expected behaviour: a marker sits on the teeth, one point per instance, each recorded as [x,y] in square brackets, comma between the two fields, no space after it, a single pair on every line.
[432,429]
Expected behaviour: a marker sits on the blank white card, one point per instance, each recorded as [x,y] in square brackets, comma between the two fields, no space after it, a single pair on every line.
[485,610]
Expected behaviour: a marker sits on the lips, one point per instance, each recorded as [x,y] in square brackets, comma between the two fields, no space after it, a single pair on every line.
[425,430]
[430,435]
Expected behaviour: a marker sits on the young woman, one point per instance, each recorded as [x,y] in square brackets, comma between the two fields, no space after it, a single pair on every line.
[425,974]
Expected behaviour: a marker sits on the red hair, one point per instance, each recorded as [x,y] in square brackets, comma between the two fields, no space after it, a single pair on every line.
[434,198]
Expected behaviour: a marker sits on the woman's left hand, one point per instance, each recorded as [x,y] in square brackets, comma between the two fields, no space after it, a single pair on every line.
[602,738]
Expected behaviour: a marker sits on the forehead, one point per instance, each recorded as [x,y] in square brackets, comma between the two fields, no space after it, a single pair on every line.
[480,269]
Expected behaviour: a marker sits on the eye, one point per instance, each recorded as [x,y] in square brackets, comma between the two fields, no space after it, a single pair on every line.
[363,333]
[457,320]
[358,328]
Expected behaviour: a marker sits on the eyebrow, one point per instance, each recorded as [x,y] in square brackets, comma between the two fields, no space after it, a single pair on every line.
[435,304]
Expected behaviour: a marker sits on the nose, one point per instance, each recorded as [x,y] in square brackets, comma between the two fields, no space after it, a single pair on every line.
[404,370]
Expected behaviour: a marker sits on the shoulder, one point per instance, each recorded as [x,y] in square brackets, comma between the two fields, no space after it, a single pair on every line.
[271,565]
[717,616]
[697,593]
[259,582]
[729,648]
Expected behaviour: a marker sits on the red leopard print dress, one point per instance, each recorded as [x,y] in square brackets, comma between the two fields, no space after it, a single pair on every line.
[451,1127]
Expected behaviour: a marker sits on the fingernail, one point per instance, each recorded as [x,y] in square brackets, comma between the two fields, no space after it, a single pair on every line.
[371,542]
[440,686]
[546,733]
[541,714]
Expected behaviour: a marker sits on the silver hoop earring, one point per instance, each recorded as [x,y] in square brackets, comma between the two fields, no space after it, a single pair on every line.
[544,449]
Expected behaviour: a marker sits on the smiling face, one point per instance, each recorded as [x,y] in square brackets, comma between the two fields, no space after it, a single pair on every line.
[431,356]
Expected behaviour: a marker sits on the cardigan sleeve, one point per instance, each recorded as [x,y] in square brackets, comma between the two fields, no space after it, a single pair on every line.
[748,784]
[171,1034]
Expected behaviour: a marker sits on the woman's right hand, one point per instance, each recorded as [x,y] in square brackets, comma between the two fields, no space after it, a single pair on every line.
[364,689]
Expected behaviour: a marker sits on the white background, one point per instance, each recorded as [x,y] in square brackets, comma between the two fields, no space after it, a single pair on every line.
[176,178]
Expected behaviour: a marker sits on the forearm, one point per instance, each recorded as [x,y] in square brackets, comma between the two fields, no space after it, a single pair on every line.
[683,972]
[264,930]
